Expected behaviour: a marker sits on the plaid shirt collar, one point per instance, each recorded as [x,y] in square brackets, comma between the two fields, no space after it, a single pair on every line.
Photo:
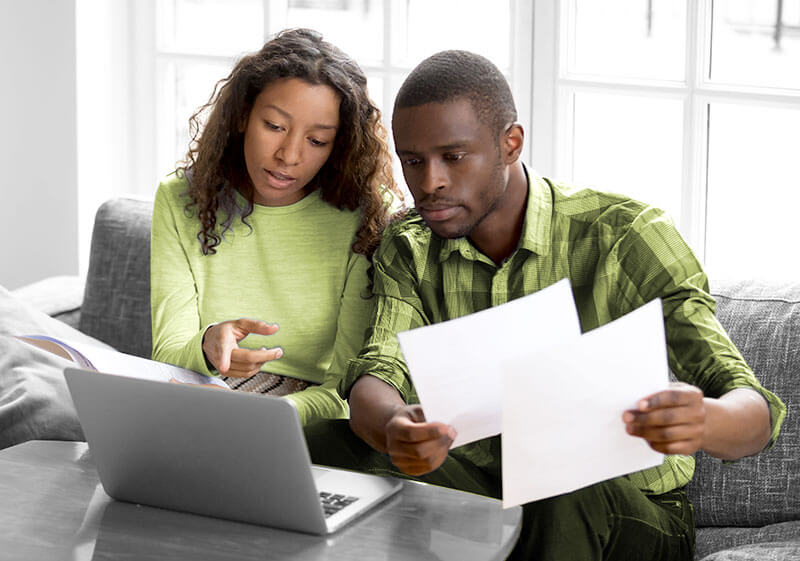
[536,230]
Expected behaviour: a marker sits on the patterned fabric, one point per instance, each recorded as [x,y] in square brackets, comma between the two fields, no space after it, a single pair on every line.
[763,320]
[617,253]
[267,383]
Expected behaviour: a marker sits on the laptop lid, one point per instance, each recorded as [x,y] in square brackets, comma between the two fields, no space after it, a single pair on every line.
[225,454]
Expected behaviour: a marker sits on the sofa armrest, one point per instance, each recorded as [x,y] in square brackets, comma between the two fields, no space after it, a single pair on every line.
[60,297]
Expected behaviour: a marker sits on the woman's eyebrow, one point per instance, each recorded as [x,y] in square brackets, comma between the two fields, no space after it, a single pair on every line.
[289,116]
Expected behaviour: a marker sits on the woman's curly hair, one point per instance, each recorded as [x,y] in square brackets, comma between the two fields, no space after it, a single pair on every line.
[356,175]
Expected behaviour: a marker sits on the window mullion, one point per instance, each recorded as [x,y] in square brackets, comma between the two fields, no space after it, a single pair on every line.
[545,135]
[695,137]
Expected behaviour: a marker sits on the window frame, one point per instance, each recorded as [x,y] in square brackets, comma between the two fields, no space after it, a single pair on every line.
[553,87]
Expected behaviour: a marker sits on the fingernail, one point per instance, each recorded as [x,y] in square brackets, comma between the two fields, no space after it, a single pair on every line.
[643,405]
[452,433]
[627,416]
[279,352]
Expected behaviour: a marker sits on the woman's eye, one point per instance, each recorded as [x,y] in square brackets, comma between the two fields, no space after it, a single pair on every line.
[272,126]
[316,142]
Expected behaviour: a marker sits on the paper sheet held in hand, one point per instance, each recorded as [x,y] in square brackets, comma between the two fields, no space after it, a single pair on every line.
[524,369]
[563,406]
[457,365]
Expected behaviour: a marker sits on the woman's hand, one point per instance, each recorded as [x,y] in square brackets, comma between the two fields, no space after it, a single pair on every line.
[221,347]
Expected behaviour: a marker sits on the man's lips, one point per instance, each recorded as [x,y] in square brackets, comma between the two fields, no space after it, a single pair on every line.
[437,212]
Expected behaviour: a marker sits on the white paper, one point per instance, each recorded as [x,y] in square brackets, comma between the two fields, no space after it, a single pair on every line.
[456,366]
[562,408]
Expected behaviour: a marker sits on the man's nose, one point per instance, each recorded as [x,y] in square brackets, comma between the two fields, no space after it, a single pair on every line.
[433,177]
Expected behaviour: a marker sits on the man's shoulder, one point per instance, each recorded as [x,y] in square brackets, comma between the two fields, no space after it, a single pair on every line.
[592,206]
[408,235]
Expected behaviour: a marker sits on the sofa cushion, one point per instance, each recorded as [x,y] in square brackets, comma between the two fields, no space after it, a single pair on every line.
[34,401]
[59,297]
[763,319]
[116,303]
[749,543]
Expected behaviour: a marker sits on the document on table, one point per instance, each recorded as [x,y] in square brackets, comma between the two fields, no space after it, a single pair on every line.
[457,365]
[563,406]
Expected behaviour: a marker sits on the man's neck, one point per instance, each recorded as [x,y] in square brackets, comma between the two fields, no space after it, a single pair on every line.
[498,235]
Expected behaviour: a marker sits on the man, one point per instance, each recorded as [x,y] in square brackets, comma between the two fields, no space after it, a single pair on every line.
[486,231]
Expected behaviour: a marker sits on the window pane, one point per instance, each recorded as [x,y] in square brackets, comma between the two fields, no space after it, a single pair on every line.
[753,192]
[187,86]
[628,38]
[421,28]
[225,27]
[355,26]
[630,145]
[755,44]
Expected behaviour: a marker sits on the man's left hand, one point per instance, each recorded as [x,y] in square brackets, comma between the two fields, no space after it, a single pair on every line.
[672,421]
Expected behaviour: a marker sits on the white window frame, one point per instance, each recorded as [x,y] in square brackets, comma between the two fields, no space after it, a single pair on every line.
[275,18]
[553,87]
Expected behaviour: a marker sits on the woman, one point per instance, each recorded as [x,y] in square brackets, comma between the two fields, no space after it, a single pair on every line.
[260,240]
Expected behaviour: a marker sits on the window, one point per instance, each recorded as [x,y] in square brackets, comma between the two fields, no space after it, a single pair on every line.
[198,41]
[691,105]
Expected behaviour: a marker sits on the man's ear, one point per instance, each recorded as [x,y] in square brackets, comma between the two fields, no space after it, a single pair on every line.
[511,141]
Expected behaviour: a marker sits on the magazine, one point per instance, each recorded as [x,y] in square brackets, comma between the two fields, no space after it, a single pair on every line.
[110,361]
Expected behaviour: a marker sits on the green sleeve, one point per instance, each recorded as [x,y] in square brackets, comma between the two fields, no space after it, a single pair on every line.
[355,313]
[177,333]
[655,262]
[397,308]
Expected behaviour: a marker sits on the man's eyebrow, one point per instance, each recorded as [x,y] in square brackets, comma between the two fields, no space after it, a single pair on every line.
[289,116]
[443,148]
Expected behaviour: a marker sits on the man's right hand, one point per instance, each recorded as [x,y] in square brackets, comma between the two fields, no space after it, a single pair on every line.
[221,347]
[415,446]
[382,419]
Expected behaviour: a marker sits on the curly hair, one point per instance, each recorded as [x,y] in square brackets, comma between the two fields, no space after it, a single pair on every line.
[356,175]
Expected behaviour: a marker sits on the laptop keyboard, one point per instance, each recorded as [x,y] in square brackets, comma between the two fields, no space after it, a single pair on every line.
[333,503]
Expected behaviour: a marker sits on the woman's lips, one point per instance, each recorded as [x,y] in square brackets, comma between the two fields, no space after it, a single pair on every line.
[279,180]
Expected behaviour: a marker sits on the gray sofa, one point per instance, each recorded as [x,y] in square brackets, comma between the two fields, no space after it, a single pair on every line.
[744,510]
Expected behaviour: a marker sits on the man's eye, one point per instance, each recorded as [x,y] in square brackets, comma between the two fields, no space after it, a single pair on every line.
[410,161]
[454,157]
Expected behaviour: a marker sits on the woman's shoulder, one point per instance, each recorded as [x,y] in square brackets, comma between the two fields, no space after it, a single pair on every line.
[173,187]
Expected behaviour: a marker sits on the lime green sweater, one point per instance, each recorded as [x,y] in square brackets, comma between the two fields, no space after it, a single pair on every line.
[294,268]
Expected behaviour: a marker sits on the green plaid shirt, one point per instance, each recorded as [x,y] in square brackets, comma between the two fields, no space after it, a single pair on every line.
[617,253]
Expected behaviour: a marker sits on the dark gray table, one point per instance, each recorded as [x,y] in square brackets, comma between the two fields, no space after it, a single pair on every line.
[52,506]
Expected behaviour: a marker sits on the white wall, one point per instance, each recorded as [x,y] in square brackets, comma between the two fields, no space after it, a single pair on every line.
[38,141]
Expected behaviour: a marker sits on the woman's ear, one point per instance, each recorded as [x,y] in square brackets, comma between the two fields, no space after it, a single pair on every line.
[511,141]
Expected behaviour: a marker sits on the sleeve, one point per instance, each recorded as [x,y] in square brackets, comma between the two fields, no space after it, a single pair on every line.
[655,262]
[398,307]
[355,313]
[177,333]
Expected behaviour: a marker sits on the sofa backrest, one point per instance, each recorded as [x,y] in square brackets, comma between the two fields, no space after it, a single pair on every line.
[116,302]
[763,320]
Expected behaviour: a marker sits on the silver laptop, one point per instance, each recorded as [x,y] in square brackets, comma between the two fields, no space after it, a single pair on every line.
[206,451]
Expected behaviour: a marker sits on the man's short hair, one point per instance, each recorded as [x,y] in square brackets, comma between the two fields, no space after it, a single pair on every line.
[451,75]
